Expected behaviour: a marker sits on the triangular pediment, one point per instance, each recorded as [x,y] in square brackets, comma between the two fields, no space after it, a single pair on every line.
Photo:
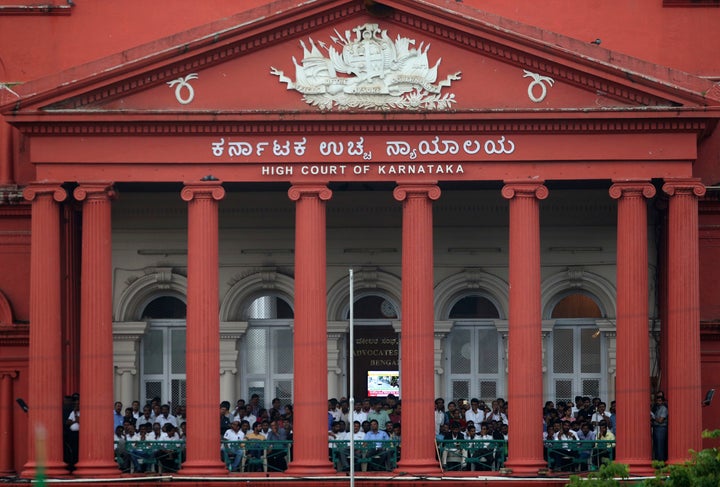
[343,56]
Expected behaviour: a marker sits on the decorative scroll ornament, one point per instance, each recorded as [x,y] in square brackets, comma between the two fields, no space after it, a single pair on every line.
[183,83]
[537,81]
[371,72]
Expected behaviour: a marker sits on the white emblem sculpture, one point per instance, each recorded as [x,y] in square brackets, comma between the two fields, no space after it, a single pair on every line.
[371,72]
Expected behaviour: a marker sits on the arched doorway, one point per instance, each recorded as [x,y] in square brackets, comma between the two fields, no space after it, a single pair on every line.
[267,349]
[162,361]
[474,355]
[576,353]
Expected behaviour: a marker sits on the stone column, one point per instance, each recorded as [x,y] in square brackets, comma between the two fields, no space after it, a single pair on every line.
[310,454]
[611,337]
[126,350]
[7,467]
[633,356]
[442,328]
[97,456]
[336,331]
[45,349]
[203,330]
[525,449]
[230,333]
[684,390]
[417,333]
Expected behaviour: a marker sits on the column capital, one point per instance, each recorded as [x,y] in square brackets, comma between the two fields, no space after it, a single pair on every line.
[621,189]
[298,191]
[525,189]
[102,190]
[202,189]
[686,186]
[429,190]
[10,374]
[33,190]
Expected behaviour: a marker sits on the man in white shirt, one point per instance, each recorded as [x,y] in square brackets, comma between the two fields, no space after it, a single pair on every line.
[563,453]
[230,447]
[439,414]
[249,416]
[145,417]
[600,415]
[358,413]
[358,433]
[496,414]
[165,416]
[474,414]
[486,452]
[136,410]
[337,446]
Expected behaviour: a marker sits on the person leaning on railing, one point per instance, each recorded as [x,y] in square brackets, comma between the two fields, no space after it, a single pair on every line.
[338,447]
[252,448]
[604,450]
[121,455]
[231,447]
[377,440]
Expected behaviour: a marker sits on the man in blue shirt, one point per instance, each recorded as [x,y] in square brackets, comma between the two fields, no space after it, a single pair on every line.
[378,442]
[119,419]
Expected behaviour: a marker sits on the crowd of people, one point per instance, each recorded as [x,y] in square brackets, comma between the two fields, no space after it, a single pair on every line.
[376,421]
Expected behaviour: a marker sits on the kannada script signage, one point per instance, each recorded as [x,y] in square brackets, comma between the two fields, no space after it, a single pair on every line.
[356,155]
[357,148]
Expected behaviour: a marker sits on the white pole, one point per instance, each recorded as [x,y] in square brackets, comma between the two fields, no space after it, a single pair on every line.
[352,382]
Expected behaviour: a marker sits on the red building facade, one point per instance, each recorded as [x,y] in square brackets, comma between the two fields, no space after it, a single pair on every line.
[234,161]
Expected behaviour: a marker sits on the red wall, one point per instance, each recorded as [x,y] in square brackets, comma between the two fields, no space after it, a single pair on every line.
[38,45]
[33,46]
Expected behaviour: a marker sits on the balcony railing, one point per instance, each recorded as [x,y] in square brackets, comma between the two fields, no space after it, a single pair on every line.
[257,455]
[578,456]
[380,455]
[375,455]
[473,455]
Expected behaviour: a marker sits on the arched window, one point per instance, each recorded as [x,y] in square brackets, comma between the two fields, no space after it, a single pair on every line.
[374,307]
[474,350]
[576,359]
[165,307]
[577,305]
[267,359]
[474,307]
[163,350]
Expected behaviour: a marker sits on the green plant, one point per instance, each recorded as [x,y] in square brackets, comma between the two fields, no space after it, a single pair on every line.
[608,475]
[702,470]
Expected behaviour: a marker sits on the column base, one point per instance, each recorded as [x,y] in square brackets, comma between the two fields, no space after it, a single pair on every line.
[310,469]
[96,469]
[526,468]
[53,470]
[677,461]
[202,468]
[641,468]
[429,466]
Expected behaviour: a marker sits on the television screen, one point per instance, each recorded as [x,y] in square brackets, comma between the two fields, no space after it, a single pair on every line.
[383,382]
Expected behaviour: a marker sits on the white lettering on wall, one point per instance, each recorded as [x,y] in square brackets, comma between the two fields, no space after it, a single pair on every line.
[279,149]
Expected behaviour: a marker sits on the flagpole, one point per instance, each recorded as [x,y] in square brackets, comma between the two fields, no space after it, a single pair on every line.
[352,381]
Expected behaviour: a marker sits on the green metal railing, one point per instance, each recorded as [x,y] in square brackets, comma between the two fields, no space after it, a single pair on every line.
[257,455]
[149,456]
[578,456]
[477,454]
[375,455]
